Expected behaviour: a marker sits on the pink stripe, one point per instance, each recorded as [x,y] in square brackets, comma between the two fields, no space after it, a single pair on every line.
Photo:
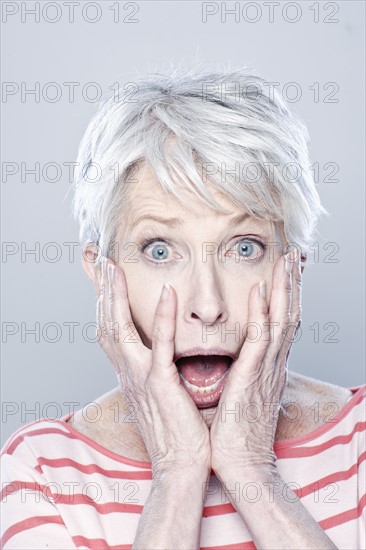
[332,478]
[99,544]
[75,435]
[298,452]
[301,492]
[357,398]
[343,517]
[208,511]
[103,450]
[92,468]
[15,486]
[105,508]
[249,545]
[359,394]
[218,510]
[40,431]
[29,523]
[73,499]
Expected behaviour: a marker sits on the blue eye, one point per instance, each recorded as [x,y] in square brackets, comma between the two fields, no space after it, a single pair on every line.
[161,252]
[247,249]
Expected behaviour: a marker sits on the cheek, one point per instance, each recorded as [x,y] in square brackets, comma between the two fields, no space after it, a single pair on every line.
[268,276]
[238,294]
[143,297]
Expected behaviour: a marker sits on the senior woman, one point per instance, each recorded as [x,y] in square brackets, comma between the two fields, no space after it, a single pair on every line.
[197,205]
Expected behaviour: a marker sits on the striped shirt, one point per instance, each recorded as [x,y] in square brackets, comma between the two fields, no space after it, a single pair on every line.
[62,490]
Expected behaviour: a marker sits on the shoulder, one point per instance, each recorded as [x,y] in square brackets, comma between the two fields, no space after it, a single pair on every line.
[311,402]
[312,389]
[30,518]
[21,451]
[24,437]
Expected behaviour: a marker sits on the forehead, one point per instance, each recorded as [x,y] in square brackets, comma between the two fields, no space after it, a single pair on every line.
[145,192]
[146,196]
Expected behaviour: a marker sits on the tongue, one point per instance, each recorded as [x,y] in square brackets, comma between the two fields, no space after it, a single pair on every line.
[203,370]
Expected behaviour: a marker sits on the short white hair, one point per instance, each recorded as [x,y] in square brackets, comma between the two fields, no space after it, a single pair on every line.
[225,127]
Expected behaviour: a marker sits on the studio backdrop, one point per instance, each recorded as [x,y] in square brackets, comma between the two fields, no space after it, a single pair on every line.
[59,59]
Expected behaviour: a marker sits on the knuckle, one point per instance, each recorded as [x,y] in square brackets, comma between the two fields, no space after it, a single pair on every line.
[160,317]
[287,285]
[158,334]
[298,278]
[286,319]
[298,315]
[100,337]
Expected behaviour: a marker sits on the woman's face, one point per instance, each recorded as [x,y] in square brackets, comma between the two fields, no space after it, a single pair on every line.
[211,260]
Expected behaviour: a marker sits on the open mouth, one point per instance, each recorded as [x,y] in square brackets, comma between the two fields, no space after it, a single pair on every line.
[204,377]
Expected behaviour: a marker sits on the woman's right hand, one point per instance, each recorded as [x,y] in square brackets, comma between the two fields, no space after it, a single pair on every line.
[169,423]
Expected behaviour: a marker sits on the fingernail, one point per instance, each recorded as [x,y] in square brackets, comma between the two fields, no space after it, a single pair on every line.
[262,289]
[288,262]
[111,269]
[165,291]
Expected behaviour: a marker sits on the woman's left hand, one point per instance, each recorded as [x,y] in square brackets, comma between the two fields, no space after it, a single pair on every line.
[243,429]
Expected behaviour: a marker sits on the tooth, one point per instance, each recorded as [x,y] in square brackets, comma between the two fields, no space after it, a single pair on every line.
[202,389]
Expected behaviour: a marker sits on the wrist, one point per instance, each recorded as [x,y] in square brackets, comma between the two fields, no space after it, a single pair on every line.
[181,473]
[260,471]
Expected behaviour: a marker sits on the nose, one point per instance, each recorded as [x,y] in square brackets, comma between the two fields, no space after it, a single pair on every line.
[206,301]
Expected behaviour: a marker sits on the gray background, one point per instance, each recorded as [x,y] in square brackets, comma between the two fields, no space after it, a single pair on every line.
[37,375]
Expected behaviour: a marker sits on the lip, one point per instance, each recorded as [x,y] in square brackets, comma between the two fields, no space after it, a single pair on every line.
[210,399]
[205,351]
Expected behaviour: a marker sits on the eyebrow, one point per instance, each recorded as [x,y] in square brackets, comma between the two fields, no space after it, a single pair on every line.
[178,222]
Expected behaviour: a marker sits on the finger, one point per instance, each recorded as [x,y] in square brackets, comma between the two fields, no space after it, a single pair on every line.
[280,305]
[296,311]
[102,329]
[114,310]
[163,335]
[257,340]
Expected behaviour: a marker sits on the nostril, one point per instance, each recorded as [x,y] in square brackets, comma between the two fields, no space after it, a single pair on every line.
[207,319]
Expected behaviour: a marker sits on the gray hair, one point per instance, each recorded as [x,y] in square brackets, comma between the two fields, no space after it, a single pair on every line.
[226,127]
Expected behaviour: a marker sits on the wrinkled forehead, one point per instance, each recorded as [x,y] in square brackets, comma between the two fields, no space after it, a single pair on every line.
[145,186]
[146,195]
[144,190]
